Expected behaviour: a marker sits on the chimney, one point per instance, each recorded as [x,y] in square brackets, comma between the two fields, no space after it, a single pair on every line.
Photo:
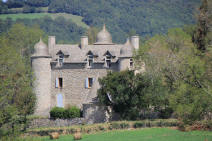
[135,42]
[84,41]
[51,44]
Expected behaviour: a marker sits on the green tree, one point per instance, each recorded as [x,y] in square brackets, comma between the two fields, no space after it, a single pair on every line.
[16,97]
[92,33]
[202,29]
[175,60]
[23,38]
[130,94]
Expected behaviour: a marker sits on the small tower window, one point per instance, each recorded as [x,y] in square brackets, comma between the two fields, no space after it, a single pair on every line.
[131,63]
[107,61]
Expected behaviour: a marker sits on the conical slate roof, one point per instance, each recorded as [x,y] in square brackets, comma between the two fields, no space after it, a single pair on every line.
[103,37]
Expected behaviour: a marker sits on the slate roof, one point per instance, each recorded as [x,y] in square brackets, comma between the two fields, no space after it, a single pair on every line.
[77,54]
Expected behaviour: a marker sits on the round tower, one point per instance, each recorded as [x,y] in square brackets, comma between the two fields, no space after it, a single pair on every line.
[42,73]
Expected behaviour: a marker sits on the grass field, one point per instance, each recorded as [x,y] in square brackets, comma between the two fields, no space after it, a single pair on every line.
[148,134]
[74,18]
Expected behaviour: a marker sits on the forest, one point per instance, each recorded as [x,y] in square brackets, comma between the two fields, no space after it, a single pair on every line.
[124,18]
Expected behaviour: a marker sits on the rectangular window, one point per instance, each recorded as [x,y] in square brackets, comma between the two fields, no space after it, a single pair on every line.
[90,61]
[59,83]
[89,82]
[131,63]
[108,61]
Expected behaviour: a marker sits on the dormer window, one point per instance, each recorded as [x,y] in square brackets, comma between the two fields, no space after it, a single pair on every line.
[107,61]
[61,60]
[61,55]
[108,57]
[90,61]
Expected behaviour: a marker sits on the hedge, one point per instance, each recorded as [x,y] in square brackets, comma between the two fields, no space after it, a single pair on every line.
[61,113]
[119,125]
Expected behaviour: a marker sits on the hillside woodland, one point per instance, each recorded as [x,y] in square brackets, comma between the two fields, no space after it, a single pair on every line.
[125,17]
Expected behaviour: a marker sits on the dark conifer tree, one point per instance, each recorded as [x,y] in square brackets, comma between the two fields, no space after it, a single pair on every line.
[200,36]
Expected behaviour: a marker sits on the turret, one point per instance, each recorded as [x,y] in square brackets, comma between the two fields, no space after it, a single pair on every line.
[42,73]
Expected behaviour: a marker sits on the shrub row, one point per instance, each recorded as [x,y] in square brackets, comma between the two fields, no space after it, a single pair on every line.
[61,113]
[198,125]
[106,127]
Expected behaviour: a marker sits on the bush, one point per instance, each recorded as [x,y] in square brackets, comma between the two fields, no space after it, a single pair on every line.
[139,124]
[61,113]
[57,112]
[72,112]
[124,125]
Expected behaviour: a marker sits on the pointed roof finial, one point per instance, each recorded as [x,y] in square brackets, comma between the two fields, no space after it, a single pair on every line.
[104,27]
[128,41]
[40,39]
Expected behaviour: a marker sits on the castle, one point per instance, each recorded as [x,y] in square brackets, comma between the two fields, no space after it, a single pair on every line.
[68,74]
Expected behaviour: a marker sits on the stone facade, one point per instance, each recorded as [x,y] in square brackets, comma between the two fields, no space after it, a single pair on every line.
[67,75]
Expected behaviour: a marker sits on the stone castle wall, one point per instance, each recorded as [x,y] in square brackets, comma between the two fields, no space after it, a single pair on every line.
[74,76]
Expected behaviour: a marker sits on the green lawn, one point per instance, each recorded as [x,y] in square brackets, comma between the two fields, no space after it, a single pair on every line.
[148,134]
[74,18]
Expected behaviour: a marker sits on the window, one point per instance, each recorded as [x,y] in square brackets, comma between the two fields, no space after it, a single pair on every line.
[89,82]
[90,61]
[108,61]
[60,100]
[131,63]
[59,83]
[60,60]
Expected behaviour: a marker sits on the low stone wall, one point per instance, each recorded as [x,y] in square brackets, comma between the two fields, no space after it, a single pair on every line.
[37,123]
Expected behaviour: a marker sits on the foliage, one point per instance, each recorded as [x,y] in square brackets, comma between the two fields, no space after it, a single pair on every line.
[122,18]
[61,113]
[149,17]
[202,35]
[129,94]
[75,19]
[174,60]
[64,29]
[57,112]
[72,112]
[94,128]
[17,99]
